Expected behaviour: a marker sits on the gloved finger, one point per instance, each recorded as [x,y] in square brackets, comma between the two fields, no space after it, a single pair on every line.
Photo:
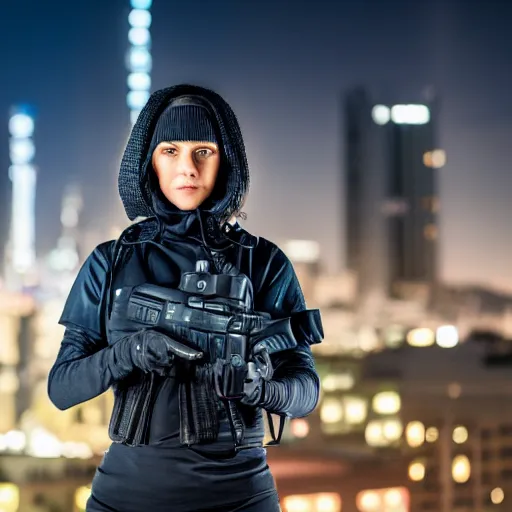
[183,351]
[264,364]
[252,372]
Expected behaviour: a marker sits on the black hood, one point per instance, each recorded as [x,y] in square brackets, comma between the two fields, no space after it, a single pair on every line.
[135,183]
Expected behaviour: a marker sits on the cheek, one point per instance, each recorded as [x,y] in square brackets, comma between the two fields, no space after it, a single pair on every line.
[163,172]
[211,176]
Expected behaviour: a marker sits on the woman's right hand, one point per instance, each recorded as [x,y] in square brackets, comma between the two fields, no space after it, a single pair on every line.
[152,351]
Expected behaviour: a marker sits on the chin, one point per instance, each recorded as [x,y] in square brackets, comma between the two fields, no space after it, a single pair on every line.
[186,205]
[186,202]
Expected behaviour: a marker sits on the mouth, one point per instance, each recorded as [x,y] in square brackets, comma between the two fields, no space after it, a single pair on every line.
[188,187]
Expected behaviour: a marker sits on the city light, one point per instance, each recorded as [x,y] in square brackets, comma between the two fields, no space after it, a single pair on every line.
[23,176]
[141,4]
[82,494]
[356,409]
[383,432]
[14,440]
[401,114]
[331,411]
[374,435]
[461,469]
[416,471]
[43,444]
[338,382]
[386,402]
[415,434]
[302,251]
[139,18]
[421,337]
[431,232]
[394,336]
[447,336]
[370,501]
[21,126]
[299,428]
[394,499]
[392,430]
[460,435]
[317,502]
[410,114]
[139,62]
[497,496]
[431,435]
[381,114]
[9,497]
[434,159]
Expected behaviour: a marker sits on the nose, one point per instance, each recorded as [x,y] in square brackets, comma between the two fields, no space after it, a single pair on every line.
[187,165]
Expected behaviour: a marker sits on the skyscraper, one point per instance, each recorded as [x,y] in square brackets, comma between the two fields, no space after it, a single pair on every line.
[392,203]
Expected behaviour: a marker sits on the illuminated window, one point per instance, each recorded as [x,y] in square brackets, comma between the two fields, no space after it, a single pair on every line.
[416,471]
[331,411]
[21,126]
[381,114]
[395,499]
[139,81]
[139,18]
[461,469]
[431,435]
[415,434]
[141,4]
[431,232]
[380,433]
[338,382]
[497,496]
[303,251]
[355,409]
[82,494]
[392,429]
[410,114]
[299,428]
[9,497]
[318,502]
[139,36]
[370,501]
[460,435]
[447,336]
[421,337]
[386,402]
[434,159]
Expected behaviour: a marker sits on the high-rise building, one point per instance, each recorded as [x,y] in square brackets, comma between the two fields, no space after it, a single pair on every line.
[392,202]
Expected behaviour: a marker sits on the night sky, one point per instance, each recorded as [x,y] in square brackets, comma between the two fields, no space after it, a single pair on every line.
[283,66]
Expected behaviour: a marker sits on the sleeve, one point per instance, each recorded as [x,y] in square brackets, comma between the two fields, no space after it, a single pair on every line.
[294,388]
[85,366]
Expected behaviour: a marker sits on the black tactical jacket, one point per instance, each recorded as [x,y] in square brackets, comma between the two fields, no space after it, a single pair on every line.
[82,369]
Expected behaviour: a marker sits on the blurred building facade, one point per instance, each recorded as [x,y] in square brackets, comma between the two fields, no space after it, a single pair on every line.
[392,199]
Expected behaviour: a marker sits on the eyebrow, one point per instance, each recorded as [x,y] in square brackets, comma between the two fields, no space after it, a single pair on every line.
[197,143]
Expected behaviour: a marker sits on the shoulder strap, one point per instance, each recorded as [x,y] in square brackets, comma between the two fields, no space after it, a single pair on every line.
[275,440]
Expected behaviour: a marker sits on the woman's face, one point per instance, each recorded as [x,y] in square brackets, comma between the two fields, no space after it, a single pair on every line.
[186,171]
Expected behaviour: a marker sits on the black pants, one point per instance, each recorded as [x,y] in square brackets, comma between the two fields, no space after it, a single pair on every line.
[267,502]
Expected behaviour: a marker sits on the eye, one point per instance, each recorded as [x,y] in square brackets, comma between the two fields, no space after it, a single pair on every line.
[169,151]
[204,152]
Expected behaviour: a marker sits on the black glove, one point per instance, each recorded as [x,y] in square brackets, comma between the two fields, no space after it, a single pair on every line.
[152,351]
[259,371]
[236,379]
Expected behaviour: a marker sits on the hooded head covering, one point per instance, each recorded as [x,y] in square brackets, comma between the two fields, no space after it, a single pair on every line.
[207,115]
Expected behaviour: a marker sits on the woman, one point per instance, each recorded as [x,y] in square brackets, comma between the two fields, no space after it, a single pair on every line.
[179,443]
